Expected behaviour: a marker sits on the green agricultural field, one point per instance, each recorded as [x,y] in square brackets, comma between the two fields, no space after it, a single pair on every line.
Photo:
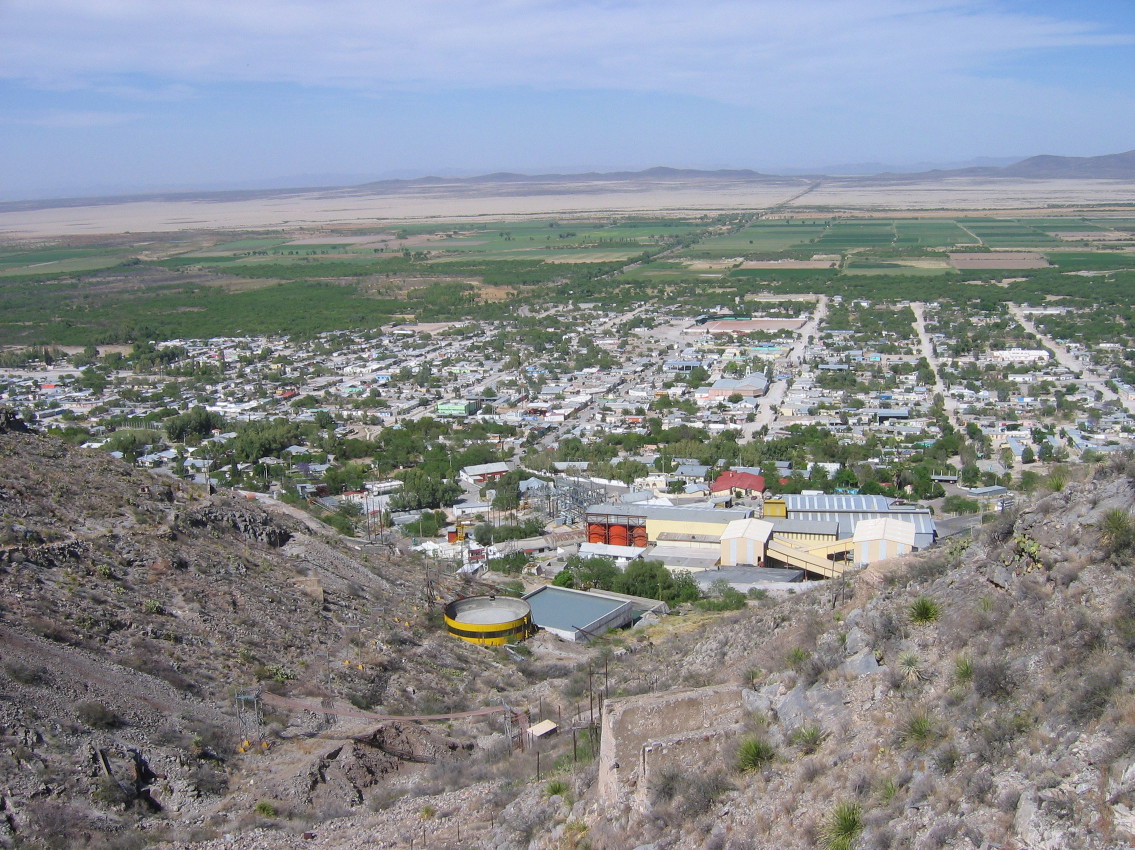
[759,237]
[931,233]
[259,283]
[1009,233]
[60,260]
[1091,260]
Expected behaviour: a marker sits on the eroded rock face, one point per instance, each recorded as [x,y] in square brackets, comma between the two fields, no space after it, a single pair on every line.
[245,520]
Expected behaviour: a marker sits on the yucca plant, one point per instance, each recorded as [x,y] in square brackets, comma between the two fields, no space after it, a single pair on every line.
[843,826]
[808,738]
[910,666]
[924,609]
[754,754]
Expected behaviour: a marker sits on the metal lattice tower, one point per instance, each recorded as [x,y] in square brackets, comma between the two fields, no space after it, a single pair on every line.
[568,497]
[250,715]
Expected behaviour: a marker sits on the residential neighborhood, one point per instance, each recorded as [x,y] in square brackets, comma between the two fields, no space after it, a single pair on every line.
[463,436]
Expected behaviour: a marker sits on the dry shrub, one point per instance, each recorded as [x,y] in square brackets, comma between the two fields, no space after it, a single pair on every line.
[979,785]
[1123,619]
[1091,696]
[940,834]
[691,795]
[1000,529]
[993,678]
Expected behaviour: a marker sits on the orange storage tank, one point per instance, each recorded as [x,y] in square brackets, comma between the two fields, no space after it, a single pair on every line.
[596,533]
[619,535]
[638,535]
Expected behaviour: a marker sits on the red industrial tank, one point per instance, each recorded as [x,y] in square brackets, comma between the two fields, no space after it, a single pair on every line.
[618,535]
[596,533]
[638,536]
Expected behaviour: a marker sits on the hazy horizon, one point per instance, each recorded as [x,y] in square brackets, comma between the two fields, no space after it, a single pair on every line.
[137,96]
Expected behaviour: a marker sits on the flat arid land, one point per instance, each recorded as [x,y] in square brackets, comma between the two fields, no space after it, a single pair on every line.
[416,201]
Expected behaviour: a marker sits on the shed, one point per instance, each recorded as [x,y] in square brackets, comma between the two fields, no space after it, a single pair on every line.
[878,539]
[743,542]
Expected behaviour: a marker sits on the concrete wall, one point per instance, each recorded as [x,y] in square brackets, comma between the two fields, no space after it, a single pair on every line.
[742,550]
[654,527]
[645,734]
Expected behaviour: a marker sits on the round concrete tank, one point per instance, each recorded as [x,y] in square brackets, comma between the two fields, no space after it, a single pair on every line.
[489,620]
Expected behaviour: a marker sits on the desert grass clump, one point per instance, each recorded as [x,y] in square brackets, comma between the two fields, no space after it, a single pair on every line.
[1117,531]
[797,657]
[557,788]
[963,670]
[918,729]
[754,753]
[808,738]
[924,609]
[887,790]
[1057,480]
[842,826]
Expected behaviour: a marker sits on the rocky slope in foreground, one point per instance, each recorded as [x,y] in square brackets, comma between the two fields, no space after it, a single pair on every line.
[977,695]
[133,609]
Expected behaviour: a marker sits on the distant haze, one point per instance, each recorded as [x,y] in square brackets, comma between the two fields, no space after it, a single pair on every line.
[138,96]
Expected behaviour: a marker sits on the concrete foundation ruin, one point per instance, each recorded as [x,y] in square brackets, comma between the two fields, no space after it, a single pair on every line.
[645,736]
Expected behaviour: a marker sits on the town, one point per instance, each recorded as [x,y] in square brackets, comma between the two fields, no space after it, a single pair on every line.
[750,445]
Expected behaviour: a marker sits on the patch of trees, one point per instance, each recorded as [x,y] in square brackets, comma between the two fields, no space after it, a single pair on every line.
[421,489]
[195,422]
[650,579]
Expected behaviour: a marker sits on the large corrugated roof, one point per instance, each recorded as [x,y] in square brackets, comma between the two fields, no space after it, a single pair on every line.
[676,513]
[563,608]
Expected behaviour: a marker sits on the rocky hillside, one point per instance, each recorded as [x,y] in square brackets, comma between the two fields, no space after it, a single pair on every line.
[133,609]
[978,695]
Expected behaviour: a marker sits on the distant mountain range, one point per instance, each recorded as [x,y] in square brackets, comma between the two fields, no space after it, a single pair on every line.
[1119,166]
[1115,166]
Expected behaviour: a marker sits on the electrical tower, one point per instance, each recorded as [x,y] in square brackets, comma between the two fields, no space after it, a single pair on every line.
[250,715]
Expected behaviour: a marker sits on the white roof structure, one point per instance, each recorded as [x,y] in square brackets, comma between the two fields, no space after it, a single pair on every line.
[885,528]
[485,469]
[749,529]
[607,550]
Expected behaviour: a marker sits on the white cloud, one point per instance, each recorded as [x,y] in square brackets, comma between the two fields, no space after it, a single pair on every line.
[770,53]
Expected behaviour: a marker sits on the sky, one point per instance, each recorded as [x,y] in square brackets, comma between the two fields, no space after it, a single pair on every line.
[112,96]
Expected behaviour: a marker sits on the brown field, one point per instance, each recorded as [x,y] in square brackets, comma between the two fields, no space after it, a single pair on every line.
[788,264]
[999,260]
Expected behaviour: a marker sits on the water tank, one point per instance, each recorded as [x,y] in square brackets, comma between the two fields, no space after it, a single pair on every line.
[489,620]
[596,533]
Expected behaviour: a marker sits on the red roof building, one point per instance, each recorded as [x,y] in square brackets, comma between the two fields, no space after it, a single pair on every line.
[738,484]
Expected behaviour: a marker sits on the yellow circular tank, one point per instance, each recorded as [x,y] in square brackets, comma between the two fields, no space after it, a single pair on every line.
[489,620]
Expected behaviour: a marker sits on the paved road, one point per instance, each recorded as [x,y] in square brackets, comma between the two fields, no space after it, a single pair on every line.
[1089,377]
[931,357]
[766,413]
